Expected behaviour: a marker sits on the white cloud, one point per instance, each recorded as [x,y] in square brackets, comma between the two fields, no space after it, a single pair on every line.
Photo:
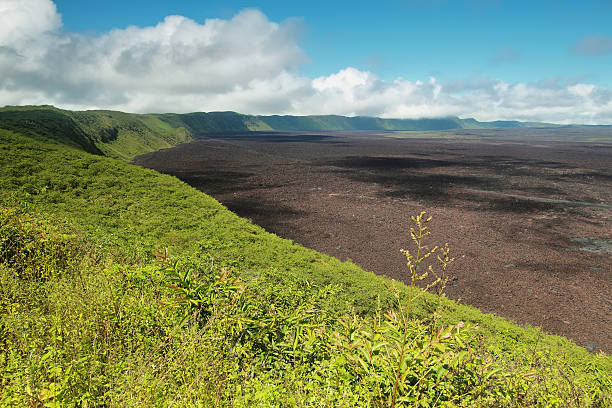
[353,92]
[140,68]
[26,20]
[246,64]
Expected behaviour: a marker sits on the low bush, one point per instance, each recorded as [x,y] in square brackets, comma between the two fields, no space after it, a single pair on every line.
[31,249]
[172,332]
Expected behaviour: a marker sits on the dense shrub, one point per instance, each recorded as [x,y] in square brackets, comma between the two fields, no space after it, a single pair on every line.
[237,316]
[30,248]
[182,333]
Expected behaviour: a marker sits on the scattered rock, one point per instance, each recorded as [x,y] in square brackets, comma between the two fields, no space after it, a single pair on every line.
[590,347]
[590,244]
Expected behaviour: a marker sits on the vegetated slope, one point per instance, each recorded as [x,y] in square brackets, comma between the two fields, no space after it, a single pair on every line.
[334,122]
[134,212]
[114,134]
[80,328]
[122,214]
[48,124]
[124,135]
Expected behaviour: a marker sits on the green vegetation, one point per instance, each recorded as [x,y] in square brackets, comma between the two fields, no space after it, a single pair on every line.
[123,135]
[47,124]
[120,286]
[334,122]
[114,134]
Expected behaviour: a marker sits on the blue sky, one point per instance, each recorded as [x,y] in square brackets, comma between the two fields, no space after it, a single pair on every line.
[513,40]
[490,59]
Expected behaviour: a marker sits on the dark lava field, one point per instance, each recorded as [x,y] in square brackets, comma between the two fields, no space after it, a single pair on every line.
[527,214]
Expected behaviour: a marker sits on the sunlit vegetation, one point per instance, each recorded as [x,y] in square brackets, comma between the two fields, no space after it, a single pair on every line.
[120,286]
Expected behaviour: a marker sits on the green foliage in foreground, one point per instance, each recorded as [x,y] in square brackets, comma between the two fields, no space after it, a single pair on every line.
[88,316]
[94,332]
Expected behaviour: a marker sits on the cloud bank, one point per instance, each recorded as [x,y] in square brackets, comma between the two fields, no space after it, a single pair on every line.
[247,64]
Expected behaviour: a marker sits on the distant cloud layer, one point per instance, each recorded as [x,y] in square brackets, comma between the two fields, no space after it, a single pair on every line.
[594,45]
[248,64]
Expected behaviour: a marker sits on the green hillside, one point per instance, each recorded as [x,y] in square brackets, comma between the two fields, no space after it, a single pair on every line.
[333,122]
[125,135]
[120,286]
[114,134]
[48,124]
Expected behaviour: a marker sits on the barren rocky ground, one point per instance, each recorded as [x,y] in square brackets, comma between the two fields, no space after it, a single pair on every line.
[529,222]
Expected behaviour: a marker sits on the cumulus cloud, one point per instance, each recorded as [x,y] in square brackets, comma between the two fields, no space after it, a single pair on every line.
[247,64]
[353,92]
[594,45]
[22,21]
[141,68]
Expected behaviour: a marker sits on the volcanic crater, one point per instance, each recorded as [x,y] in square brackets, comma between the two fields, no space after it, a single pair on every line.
[517,212]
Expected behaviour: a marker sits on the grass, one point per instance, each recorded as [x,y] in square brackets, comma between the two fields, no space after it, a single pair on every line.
[94,311]
[80,328]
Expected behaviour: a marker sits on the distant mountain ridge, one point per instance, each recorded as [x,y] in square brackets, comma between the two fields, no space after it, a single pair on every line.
[125,135]
[334,122]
